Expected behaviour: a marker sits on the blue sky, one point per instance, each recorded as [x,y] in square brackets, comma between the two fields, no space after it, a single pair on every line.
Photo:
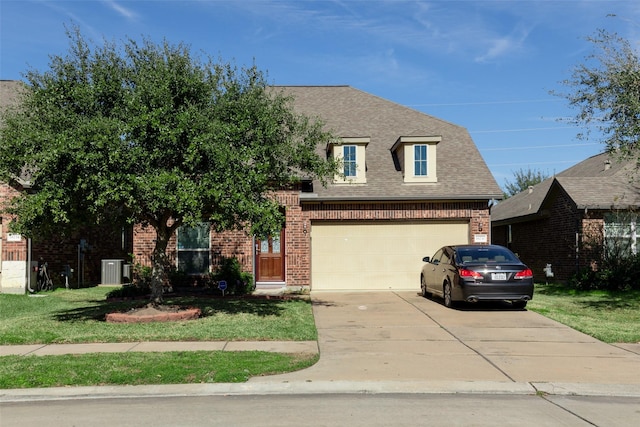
[485,65]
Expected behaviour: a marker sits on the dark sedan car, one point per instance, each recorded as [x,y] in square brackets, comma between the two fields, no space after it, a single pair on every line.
[475,273]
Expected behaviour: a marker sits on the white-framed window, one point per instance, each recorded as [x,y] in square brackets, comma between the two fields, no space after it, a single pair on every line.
[351,152]
[420,163]
[621,233]
[194,248]
[349,158]
[416,156]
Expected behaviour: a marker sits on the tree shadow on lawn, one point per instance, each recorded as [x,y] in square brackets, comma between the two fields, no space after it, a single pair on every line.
[611,302]
[97,310]
[598,299]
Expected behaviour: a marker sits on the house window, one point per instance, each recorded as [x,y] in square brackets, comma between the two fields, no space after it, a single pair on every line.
[349,158]
[194,249]
[351,152]
[420,160]
[415,156]
[621,234]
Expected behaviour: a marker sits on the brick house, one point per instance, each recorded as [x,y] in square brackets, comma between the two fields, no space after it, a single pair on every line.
[83,251]
[565,220]
[412,184]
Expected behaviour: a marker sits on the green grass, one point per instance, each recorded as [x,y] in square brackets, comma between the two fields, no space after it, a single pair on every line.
[612,317]
[145,368]
[78,316]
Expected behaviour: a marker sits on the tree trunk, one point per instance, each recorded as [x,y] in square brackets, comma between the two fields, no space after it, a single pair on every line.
[159,263]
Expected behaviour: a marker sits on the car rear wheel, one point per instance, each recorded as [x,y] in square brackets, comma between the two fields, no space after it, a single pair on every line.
[446,294]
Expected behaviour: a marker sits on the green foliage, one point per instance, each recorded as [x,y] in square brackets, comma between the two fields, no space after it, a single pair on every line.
[148,133]
[239,282]
[140,284]
[606,92]
[523,180]
[613,274]
[616,267]
[141,275]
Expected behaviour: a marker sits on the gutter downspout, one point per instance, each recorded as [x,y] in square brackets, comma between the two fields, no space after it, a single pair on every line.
[28,264]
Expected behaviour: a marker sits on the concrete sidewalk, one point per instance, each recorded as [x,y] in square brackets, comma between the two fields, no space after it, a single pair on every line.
[399,342]
[159,346]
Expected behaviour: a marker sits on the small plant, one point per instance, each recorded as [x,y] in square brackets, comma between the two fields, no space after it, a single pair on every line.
[239,282]
[140,284]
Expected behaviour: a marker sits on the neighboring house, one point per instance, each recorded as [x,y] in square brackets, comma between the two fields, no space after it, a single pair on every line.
[83,252]
[412,184]
[565,220]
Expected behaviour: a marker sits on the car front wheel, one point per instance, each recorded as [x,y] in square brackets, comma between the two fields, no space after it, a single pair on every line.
[423,287]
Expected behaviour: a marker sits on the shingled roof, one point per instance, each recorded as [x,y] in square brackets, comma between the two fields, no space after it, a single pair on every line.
[10,93]
[348,112]
[599,182]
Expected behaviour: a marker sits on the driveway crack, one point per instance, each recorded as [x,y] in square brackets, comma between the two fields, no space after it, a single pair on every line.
[456,337]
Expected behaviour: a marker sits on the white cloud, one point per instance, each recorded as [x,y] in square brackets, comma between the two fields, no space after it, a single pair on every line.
[121,10]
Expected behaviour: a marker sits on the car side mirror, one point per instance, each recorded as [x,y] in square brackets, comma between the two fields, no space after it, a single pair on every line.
[425,259]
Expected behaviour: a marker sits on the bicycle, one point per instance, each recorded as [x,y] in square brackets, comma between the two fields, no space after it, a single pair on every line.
[43,281]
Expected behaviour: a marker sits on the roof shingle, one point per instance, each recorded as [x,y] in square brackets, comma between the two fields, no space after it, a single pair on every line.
[599,182]
[348,112]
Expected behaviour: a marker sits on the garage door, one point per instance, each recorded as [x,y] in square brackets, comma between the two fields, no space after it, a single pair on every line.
[377,256]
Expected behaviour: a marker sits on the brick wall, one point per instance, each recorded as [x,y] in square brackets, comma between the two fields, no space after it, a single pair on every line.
[299,218]
[11,251]
[62,249]
[551,238]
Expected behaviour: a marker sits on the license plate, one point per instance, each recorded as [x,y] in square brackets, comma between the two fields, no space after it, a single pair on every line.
[498,276]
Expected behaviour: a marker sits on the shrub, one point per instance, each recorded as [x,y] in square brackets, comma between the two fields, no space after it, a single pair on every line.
[238,282]
[613,273]
[140,284]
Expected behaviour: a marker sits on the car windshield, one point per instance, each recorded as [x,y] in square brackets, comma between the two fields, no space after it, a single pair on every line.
[483,255]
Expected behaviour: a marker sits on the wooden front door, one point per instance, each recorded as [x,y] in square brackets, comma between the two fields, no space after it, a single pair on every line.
[270,259]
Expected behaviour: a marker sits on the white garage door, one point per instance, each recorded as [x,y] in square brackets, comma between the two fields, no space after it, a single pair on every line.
[377,256]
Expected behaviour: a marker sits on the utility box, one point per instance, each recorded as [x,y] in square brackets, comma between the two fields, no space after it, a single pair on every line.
[126,273]
[111,271]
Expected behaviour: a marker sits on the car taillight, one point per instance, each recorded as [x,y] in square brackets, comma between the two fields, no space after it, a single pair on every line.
[470,274]
[524,274]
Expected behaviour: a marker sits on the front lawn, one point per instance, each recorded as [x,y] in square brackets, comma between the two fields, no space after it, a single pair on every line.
[187,367]
[78,316]
[609,316]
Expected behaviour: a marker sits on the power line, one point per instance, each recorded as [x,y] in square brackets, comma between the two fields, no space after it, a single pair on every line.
[532,147]
[517,101]
[536,163]
[521,129]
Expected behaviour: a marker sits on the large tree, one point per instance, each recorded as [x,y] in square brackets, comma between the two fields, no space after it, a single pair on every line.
[605,90]
[523,179]
[148,133]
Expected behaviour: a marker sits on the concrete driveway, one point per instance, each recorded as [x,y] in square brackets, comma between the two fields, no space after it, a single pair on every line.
[400,336]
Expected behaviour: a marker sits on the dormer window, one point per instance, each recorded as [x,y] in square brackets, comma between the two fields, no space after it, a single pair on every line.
[349,159]
[416,156]
[351,152]
[420,160]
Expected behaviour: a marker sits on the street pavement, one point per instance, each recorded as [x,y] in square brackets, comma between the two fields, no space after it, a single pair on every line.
[399,342]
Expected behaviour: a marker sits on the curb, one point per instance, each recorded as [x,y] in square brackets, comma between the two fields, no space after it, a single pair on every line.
[319,387]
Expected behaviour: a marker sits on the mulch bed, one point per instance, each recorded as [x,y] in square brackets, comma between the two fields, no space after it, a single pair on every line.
[152,313]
